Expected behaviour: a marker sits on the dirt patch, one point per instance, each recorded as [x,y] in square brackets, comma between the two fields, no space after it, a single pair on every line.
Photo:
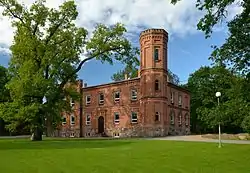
[242,136]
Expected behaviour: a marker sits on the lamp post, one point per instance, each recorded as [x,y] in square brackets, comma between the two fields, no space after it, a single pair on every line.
[218,94]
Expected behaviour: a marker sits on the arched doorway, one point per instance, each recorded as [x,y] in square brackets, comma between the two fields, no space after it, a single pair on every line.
[101,124]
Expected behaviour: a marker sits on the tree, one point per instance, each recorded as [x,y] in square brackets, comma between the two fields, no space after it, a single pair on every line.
[46,55]
[4,94]
[235,52]
[132,72]
[205,113]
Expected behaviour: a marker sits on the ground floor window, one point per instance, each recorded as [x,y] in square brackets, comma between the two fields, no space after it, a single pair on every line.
[72,120]
[134,117]
[117,118]
[172,117]
[88,119]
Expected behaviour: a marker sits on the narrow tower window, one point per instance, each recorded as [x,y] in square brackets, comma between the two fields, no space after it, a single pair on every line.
[157,87]
[156,54]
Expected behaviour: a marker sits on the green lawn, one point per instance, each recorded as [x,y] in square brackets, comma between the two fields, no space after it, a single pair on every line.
[121,156]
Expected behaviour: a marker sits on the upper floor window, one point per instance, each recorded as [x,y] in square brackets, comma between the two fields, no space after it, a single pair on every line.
[134,94]
[156,54]
[88,119]
[172,97]
[117,118]
[157,85]
[88,99]
[180,100]
[157,116]
[134,117]
[117,96]
[101,98]
[72,102]
[72,119]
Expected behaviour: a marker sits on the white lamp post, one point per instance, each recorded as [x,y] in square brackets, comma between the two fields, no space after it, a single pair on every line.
[218,94]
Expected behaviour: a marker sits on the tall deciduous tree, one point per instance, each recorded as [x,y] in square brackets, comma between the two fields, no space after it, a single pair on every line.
[205,112]
[236,49]
[46,55]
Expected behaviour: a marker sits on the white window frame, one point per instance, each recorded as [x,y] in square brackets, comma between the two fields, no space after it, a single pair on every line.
[88,102]
[180,119]
[133,97]
[72,102]
[101,101]
[88,122]
[172,118]
[159,116]
[64,122]
[133,120]
[72,122]
[186,120]
[116,121]
[117,99]
[172,97]
[180,100]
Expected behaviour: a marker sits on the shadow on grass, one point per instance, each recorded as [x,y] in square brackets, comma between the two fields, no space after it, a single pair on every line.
[61,144]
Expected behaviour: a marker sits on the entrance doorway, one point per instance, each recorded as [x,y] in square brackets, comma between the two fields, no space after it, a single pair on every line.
[101,124]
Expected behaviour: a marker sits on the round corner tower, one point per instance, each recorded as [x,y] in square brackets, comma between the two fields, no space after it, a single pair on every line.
[153,78]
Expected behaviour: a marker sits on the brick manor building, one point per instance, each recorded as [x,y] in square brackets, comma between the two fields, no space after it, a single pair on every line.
[146,106]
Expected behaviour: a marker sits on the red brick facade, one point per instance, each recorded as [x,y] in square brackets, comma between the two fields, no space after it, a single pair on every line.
[144,106]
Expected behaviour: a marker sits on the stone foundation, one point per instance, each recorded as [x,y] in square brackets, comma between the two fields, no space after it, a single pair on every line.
[134,131]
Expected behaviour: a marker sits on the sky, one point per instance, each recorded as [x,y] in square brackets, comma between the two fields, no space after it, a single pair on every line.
[188,49]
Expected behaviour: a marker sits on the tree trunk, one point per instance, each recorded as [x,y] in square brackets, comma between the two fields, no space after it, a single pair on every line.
[37,134]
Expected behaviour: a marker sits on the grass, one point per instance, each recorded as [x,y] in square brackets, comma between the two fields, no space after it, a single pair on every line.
[121,156]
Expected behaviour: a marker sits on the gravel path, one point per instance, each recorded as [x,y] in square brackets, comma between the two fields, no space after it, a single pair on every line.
[198,138]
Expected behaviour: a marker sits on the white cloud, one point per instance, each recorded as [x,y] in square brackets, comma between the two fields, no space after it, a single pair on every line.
[179,19]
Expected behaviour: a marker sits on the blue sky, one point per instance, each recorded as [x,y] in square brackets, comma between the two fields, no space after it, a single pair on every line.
[188,48]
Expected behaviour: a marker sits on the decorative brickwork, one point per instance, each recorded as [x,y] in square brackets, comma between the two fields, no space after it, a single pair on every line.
[146,106]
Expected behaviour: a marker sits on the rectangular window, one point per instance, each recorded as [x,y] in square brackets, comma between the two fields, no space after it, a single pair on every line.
[117,118]
[180,100]
[88,99]
[64,120]
[172,118]
[134,118]
[72,102]
[101,98]
[186,119]
[156,54]
[117,96]
[72,119]
[88,119]
[180,119]
[172,97]
[134,94]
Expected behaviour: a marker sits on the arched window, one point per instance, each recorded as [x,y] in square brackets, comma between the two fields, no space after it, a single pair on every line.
[157,116]
[172,117]
[157,85]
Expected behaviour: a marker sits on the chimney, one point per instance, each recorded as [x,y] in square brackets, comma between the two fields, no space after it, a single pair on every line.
[126,76]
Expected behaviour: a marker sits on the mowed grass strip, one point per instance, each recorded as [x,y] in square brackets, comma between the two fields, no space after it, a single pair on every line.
[121,156]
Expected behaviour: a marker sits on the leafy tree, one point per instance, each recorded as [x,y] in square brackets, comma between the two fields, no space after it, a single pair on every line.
[4,94]
[46,56]
[132,72]
[205,112]
[235,52]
